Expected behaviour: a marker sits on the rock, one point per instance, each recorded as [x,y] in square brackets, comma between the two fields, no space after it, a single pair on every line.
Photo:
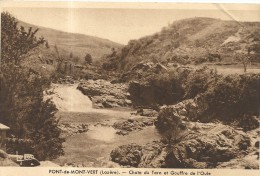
[131,125]
[128,102]
[106,95]
[123,133]
[248,123]
[249,161]
[183,112]
[69,129]
[127,155]
[153,155]
[147,112]
[211,145]
[257,144]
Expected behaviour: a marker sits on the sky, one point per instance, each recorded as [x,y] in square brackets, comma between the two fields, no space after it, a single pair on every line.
[123,24]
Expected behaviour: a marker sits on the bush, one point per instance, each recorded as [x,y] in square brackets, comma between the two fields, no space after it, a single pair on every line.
[231,97]
[171,126]
[172,87]
[226,98]
[197,82]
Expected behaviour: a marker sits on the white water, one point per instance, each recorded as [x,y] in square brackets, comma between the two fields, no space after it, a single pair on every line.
[93,148]
[69,98]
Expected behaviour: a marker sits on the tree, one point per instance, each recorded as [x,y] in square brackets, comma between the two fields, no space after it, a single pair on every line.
[171,126]
[60,60]
[76,59]
[15,42]
[245,61]
[71,55]
[47,44]
[21,94]
[88,59]
[243,58]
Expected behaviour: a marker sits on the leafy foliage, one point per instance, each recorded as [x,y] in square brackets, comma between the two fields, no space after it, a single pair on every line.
[170,126]
[231,97]
[226,98]
[88,59]
[16,42]
[21,95]
[170,87]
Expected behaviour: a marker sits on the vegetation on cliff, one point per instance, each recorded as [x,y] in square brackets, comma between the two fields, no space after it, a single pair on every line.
[193,41]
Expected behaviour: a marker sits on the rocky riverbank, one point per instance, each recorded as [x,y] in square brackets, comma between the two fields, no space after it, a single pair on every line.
[203,146]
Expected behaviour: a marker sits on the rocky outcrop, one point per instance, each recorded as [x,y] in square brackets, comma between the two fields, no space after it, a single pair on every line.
[127,155]
[143,70]
[250,161]
[126,126]
[203,146]
[208,149]
[105,94]
[133,155]
[193,110]
[69,129]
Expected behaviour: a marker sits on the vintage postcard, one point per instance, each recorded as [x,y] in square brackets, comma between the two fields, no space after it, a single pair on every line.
[129,89]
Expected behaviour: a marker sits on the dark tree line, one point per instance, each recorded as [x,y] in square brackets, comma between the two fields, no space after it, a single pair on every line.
[21,95]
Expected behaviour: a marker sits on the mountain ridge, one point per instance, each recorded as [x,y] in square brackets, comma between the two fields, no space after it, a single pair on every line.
[78,44]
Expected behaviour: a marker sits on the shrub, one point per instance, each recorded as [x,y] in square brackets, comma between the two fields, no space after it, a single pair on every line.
[197,82]
[231,97]
[170,126]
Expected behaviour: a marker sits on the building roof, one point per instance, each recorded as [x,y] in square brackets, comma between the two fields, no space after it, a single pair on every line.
[3,127]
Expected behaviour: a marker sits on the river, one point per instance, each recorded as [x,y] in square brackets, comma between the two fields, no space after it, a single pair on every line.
[92,149]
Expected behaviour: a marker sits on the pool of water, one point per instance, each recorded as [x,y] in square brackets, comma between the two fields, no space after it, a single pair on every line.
[92,149]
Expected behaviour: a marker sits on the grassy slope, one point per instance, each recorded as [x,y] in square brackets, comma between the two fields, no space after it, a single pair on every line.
[191,40]
[78,44]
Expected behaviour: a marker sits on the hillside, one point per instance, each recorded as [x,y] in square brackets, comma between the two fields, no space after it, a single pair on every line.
[193,41]
[78,44]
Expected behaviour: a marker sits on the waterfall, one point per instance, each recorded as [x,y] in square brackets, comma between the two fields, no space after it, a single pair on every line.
[69,98]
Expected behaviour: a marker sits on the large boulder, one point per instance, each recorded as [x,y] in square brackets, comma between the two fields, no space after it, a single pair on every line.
[104,94]
[127,155]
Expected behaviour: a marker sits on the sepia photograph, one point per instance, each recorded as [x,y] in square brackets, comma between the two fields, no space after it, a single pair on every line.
[130,85]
